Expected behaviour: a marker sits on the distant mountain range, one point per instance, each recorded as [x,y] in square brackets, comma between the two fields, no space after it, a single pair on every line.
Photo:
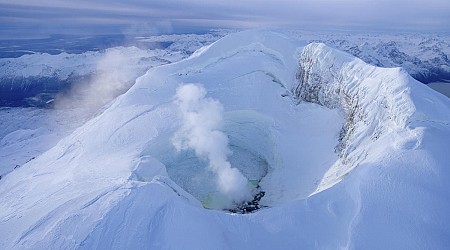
[426,57]
[34,78]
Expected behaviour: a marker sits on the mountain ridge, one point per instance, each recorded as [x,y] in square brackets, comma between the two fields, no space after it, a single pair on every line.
[83,193]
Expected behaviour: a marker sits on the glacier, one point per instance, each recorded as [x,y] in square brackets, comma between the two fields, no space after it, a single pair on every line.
[349,155]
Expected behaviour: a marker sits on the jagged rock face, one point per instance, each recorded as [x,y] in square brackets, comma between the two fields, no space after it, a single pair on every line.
[342,82]
[375,101]
[327,88]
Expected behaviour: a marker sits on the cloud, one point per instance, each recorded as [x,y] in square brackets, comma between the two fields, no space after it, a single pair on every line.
[201,120]
[422,15]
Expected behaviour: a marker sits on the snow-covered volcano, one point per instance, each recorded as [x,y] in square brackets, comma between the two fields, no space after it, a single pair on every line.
[348,155]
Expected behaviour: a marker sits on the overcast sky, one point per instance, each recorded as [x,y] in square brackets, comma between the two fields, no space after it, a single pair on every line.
[43,17]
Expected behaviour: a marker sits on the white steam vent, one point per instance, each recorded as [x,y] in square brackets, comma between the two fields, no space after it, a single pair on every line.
[202,118]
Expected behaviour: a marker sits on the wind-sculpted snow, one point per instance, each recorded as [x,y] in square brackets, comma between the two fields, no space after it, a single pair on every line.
[348,155]
[374,100]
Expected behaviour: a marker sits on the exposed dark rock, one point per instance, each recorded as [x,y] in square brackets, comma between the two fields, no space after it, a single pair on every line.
[250,206]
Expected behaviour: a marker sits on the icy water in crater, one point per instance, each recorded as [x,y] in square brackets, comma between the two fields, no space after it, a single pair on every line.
[249,141]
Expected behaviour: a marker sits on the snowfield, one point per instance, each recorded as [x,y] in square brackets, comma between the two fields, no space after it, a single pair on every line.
[28,132]
[349,155]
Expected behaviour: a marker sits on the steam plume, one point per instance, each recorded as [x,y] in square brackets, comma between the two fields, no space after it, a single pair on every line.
[202,118]
[113,76]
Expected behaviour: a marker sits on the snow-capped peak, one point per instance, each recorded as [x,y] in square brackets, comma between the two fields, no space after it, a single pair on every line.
[299,119]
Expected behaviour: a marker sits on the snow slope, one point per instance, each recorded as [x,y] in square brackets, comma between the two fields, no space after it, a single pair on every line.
[349,155]
[374,100]
[28,132]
